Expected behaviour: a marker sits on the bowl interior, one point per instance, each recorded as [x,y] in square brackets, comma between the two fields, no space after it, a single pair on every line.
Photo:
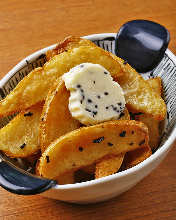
[166,70]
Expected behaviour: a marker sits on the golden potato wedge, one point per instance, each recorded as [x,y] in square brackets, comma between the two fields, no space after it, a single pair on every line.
[108,165]
[156,84]
[20,137]
[67,44]
[56,119]
[152,124]
[23,97]
[139,95]
[88,145]
[137,156]
[35,86]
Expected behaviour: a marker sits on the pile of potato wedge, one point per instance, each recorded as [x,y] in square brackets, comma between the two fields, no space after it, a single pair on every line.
[65,150]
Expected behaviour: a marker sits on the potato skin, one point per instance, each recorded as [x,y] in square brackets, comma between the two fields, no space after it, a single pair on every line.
[56,119]
[68,43]
[88,145]
[139,95]
[20,137]
[108,165]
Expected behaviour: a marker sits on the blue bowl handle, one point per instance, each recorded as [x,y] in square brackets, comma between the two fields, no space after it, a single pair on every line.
[20,182]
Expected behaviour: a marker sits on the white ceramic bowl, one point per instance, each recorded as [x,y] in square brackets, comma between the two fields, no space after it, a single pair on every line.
[113,185]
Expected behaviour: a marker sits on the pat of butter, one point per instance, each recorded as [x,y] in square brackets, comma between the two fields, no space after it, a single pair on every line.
[94,96]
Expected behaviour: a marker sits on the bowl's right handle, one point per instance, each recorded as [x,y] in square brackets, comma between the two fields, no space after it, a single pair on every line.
[20,182]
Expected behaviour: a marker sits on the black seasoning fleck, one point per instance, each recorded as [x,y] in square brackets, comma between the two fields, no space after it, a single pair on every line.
[125,62]
[42,119]
[22,146]
[98,140]
[94,82]
[96,106]
[106,93]
[110,144]
[28,114]
[114,108]
[119,103]
[95,112]
[141,142]
[81,65]
[88,110]
[98,96]
[82,90]
[105,73]
[81,149]
[47,159]
[132,132]
[131,143]
[78,86]
[89,100]
[107,107]
[81,101]
[83,97]
[122,134]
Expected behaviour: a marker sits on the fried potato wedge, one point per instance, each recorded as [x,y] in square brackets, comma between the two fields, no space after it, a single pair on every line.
[35,86]
[152,124]
[139,95]
[88,145]
[108,165]
[137,156]
[56,119]
[67,44]
[156,84]
[20,137]
[28,92]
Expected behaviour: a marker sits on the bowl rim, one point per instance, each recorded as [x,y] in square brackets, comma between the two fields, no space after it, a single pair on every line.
[161,151]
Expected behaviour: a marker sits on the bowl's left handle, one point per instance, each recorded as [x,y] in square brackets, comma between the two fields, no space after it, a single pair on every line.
[20,182]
